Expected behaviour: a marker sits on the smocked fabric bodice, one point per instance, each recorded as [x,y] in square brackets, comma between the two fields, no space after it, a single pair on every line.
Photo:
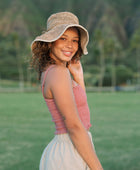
[82,106]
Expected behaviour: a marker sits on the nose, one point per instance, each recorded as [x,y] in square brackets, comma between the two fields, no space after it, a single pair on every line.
[69,44]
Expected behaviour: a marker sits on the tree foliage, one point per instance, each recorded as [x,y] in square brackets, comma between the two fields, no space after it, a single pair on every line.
[114,28]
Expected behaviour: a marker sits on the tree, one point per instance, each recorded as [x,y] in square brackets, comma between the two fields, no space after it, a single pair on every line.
[113,49]
[135,47]
[100,45]
[19,61]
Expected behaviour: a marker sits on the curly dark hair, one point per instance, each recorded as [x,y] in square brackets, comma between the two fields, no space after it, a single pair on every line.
[41,56]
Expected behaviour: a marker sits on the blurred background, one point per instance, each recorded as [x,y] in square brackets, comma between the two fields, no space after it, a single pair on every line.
[113,62]
[112,65]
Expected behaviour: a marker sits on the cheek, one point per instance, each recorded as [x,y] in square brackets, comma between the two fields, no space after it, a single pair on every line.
[76,47]
[54,47]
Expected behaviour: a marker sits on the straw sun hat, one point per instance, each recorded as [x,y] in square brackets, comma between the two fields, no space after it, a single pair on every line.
[57,24]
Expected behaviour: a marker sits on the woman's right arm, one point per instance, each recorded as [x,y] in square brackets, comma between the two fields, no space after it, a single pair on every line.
[61,89]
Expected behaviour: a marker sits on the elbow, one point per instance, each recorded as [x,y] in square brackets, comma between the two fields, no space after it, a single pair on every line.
[74,128]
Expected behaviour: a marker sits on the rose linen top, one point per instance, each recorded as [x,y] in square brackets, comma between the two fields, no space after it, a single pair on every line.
[82,106]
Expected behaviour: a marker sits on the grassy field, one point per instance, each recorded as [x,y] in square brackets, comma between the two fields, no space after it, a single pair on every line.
[26,128]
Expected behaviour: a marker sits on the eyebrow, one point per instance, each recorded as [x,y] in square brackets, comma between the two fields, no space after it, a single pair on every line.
[67,36]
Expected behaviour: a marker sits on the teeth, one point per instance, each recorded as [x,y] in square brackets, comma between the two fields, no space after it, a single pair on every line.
[67,52]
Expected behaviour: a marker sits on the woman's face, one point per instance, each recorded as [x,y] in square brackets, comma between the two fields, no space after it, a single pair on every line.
[63,49]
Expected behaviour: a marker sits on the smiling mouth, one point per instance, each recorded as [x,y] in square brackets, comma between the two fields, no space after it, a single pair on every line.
[67,53]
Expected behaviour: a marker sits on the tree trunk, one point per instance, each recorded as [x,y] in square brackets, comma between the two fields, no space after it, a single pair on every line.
[19,65]
[21,76]
[102,65]
[138,66]
[113,74]
[69,5]
[29,76]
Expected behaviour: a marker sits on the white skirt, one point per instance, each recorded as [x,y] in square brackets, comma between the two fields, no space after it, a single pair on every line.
[60,154]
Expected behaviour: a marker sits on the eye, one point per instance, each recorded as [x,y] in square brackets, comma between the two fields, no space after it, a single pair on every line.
[62,38]
[76,41]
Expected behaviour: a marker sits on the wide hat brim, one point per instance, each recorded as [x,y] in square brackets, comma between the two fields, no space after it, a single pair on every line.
[56,32]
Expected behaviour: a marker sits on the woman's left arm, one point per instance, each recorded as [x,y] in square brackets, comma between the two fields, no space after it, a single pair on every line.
[76,71]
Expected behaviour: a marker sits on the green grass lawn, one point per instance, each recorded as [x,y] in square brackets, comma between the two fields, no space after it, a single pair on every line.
[26,128]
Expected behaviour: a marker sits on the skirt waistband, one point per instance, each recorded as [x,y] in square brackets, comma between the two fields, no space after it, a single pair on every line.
[66,137]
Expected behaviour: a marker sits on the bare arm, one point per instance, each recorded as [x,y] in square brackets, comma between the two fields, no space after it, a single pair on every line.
[61,88]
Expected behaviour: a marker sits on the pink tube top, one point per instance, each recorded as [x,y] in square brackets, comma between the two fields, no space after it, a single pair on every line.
[82,106]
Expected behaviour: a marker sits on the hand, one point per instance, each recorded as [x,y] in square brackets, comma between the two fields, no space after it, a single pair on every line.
[75,68]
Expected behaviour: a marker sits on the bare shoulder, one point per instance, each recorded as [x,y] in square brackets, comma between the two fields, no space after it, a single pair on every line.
[57,69]
[59,72]
[58,76]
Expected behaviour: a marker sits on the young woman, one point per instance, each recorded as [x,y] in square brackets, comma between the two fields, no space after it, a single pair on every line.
[56,57]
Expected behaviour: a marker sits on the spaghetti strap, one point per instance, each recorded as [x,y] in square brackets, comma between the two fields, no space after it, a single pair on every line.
[45,77]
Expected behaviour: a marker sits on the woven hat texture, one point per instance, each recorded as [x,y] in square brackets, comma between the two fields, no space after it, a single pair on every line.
[57,24]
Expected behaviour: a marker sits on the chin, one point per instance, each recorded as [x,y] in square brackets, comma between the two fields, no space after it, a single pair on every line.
[68,59]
